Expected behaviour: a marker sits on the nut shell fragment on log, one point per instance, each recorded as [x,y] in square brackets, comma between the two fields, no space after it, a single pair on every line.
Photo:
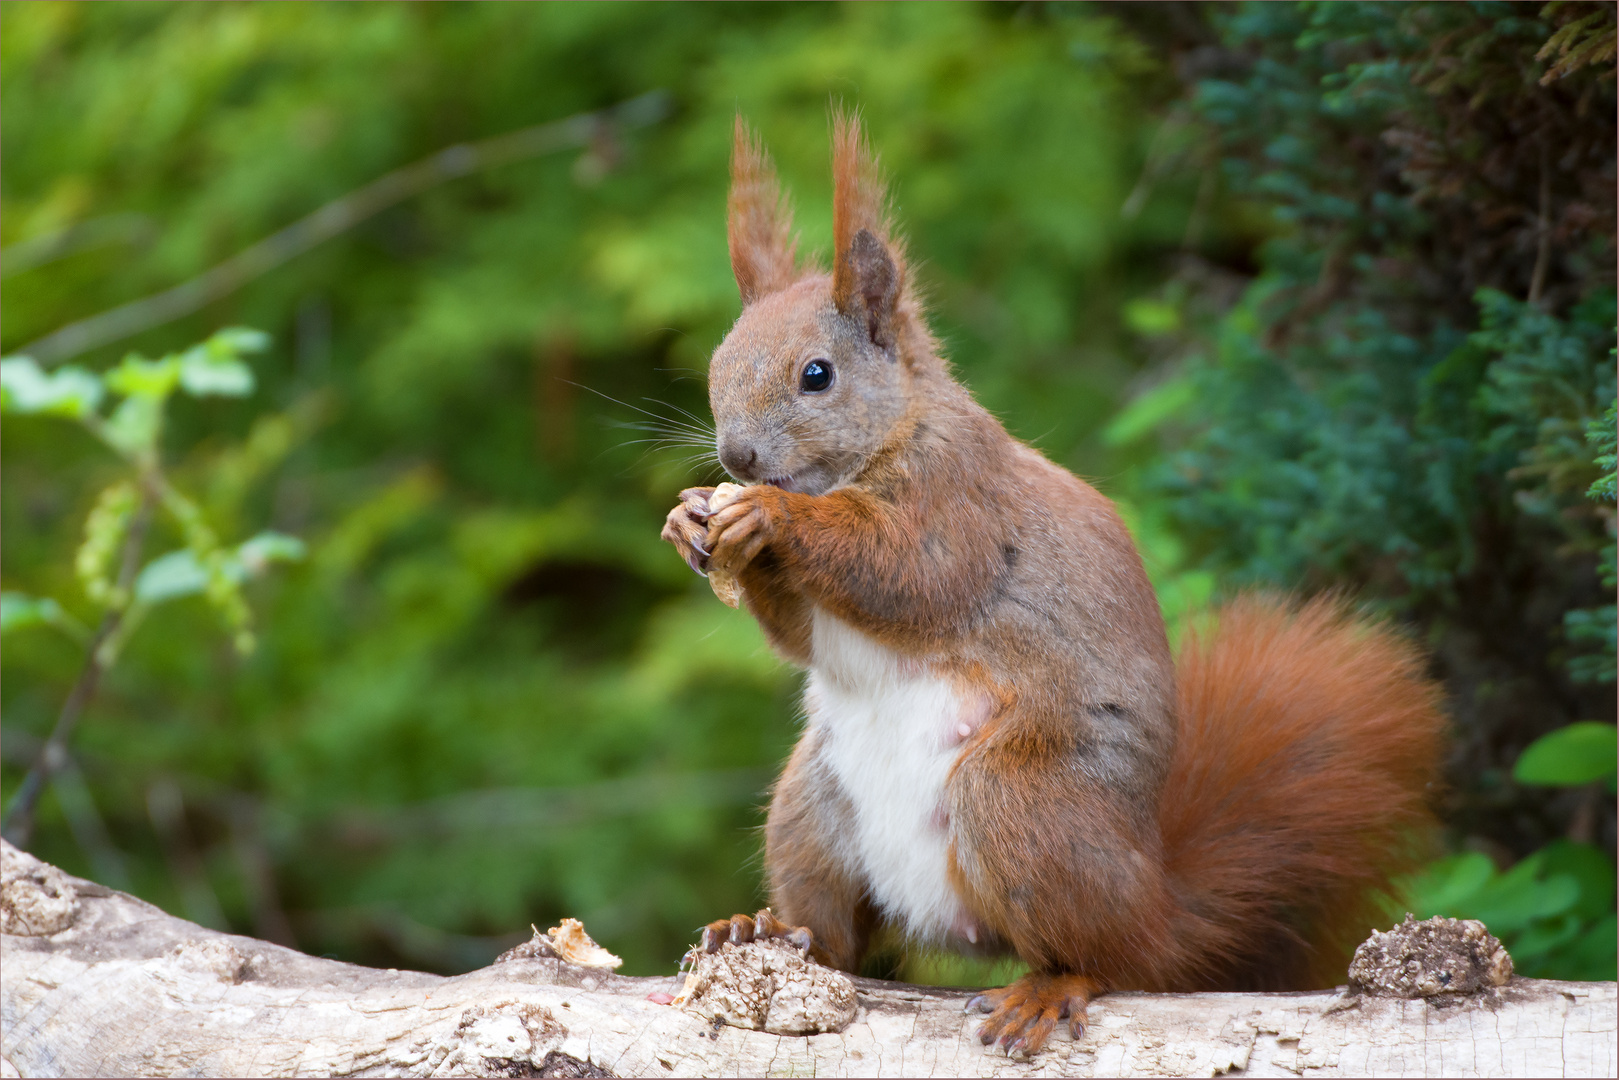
[724,584]
[576,947]
[1434,956]
[568,942]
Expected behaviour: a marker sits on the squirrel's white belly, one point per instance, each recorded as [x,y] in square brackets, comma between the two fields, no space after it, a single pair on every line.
[890,731]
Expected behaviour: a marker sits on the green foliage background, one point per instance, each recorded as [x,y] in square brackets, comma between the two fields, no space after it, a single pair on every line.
[1161,242]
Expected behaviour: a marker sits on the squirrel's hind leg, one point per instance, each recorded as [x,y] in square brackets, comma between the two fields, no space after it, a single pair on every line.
[810,884]
[1023,1015]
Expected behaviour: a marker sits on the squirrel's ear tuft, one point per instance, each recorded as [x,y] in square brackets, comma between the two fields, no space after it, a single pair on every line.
[760,223]
[868,271]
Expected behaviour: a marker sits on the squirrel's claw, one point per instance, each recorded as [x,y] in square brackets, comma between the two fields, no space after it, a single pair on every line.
[800,938]
[717,933]
[764,926]
[686,527]
[1023,1015]
[695,501]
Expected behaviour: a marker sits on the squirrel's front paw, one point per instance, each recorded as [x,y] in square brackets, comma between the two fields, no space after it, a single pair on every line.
[686,527]
[741,929]
[740,529]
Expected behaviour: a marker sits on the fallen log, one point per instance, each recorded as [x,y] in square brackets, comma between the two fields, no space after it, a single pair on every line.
[95,982]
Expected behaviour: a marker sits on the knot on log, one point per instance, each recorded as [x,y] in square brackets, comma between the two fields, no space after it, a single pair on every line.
[215,956]
[508,1038]
[36,899]
[768,986]
[1435,956]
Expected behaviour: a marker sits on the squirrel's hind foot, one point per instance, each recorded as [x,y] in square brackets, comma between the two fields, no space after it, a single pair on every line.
[1023,1015]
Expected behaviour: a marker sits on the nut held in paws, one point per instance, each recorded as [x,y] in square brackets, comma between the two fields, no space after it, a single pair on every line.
[725,585]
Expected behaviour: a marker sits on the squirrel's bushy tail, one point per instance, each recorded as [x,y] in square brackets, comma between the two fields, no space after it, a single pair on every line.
[1310,742]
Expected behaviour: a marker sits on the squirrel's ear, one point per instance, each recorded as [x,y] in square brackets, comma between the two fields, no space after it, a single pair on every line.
[872,290]
[868,271]
[760,223]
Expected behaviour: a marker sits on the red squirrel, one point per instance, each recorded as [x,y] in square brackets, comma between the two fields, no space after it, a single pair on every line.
[1000,753]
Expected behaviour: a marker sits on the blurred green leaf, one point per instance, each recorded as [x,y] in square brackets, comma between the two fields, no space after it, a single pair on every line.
[68,391]
[179,573]
[233,341]
[169,576]
[133,427]
[1148,411]
[18,611]
[1552,910]
[258,553]
[215,368]
[1152,318]
[1543,938]
[1589,956]
[1580,753]
[1449,884]
[137,377]
[202,375]
[1590,868]
[1518,898]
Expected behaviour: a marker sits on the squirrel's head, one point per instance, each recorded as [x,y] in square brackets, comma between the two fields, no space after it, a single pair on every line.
[819,370]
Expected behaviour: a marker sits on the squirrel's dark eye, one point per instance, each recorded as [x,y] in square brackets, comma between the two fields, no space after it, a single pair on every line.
[816,376]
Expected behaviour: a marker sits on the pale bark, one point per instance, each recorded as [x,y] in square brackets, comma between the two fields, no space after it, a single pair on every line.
[122,989]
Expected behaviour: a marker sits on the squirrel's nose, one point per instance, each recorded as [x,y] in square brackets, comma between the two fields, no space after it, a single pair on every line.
[738,458]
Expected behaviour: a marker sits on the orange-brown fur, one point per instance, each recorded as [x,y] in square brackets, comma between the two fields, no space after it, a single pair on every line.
[1112,824]
[764,255]
[1308,747]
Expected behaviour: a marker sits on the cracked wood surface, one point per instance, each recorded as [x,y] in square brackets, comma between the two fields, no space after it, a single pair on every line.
[127,990]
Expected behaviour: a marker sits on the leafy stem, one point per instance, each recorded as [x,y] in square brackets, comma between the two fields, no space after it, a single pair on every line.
[99,656]
[117,526]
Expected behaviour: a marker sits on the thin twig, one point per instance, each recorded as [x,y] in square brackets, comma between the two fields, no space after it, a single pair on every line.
[165,805]
[19,821]
[1543,253]
[98,232]
[1161,157]
[258,872]
[338,216]
[85,823]
[1200,211]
